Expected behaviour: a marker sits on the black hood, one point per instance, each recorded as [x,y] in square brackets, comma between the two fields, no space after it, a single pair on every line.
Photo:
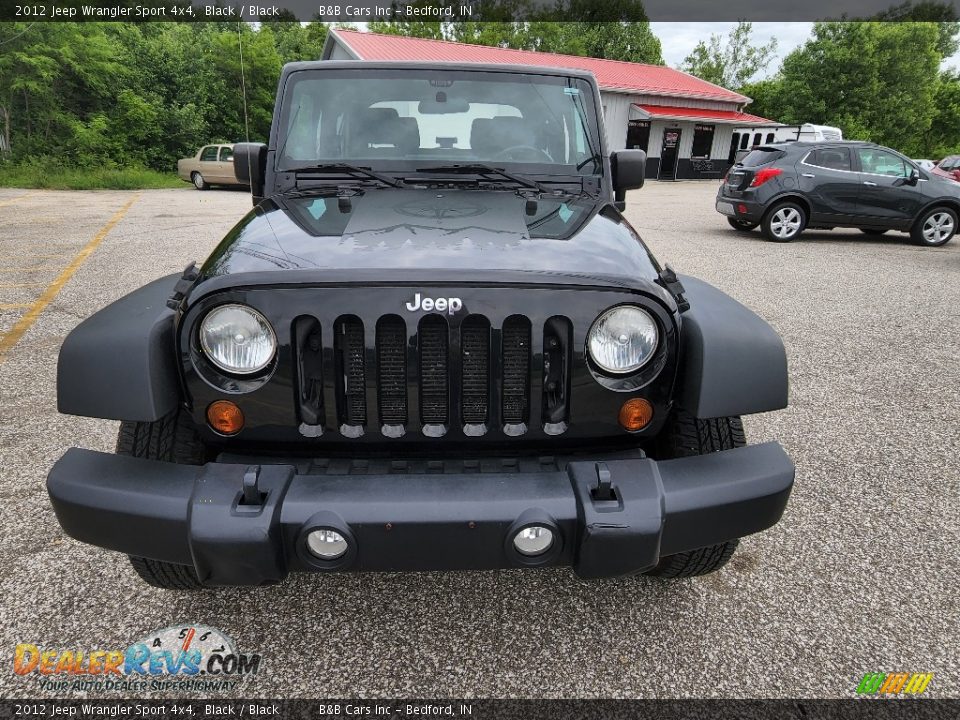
[392,233]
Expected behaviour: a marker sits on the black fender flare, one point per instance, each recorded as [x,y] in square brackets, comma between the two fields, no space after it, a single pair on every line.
[120,363]
[731,361]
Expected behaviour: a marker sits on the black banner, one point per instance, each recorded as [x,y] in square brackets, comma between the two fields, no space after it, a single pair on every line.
[359,11]
[853,709]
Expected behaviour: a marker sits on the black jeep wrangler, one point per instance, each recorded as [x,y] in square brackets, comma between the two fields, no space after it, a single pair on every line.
[435,343]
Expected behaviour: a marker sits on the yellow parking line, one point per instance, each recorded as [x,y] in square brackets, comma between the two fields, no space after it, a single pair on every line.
[18,197]
[11,338]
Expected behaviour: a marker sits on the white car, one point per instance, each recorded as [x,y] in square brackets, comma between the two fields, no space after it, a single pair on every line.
[927,165]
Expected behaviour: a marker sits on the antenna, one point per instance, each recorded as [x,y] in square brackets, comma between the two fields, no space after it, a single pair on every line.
[243,92]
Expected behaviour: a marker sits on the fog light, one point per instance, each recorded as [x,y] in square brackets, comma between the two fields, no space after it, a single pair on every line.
[225,417]
[533,540]
[327,544]
[635,414]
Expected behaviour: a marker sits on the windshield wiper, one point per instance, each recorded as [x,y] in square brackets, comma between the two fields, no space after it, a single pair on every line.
[483,169]
[348,169]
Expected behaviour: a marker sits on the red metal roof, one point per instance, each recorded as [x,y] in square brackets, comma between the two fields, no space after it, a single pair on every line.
[667,111]
[611,74]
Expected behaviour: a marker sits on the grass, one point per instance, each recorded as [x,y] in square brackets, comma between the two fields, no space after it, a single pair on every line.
[62,178]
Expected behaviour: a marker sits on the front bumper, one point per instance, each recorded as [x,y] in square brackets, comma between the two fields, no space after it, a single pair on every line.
[201,516]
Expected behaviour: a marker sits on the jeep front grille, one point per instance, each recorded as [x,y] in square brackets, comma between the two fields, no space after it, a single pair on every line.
[475,369]
[392,370]
[437,376]
[353,399]
[516,370]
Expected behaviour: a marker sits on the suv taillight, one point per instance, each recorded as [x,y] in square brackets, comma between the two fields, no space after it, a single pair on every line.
[762,176]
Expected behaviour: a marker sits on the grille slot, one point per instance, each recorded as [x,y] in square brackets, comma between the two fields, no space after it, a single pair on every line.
[516,370]
[475,366]
[351,355]
[392,370]
[434,371]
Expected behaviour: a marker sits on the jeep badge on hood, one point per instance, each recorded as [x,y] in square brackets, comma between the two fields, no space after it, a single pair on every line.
[452,305]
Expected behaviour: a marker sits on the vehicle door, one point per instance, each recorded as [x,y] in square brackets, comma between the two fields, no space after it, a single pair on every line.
[827,179]
[225,165]
[209,163]
[885,197]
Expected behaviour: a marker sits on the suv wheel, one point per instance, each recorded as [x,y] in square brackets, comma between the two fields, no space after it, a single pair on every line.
[741,225]
[171,439]
[784,222]
[685,436]
[935,227]
[198,182]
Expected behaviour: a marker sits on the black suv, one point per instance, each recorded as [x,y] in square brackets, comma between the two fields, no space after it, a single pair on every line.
[788,187]
[434,343]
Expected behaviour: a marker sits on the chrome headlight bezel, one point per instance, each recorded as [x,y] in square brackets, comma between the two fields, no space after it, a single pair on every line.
[649,326]
[210,353]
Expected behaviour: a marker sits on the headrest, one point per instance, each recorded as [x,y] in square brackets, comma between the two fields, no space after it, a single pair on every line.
[493,135]
[376,126]
[481,136]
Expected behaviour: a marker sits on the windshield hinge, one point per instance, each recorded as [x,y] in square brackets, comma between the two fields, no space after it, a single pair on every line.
[668,278]
[183,286]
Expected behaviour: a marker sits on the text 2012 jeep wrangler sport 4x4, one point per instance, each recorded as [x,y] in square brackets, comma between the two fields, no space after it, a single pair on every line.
[435,343]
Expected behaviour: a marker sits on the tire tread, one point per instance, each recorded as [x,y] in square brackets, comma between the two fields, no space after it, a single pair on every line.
[687,436]
[172,438]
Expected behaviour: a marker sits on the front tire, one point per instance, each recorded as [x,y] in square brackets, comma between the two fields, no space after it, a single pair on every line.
[198,182]
[686,436]
[935,227]
[173,439]
[784,222]
[741,225]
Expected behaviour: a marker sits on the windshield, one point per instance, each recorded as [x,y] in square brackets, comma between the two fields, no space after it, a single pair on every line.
[403,119]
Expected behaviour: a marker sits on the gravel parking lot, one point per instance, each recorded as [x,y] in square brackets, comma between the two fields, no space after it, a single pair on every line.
[860,576]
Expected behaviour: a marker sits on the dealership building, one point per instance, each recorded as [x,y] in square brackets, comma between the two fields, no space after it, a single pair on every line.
[684,124]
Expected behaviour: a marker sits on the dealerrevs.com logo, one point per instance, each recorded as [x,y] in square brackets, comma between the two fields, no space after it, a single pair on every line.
[890,684]
[190,658]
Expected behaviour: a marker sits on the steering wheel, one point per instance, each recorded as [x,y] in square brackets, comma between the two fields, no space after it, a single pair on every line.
[529,150]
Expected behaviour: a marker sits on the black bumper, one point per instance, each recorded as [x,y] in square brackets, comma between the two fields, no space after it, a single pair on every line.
[740,208]
[198,515]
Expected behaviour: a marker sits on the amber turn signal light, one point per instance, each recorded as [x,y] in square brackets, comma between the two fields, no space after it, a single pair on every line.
[225,417]
[636,414]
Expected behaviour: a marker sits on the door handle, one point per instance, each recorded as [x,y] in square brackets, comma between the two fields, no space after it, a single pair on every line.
[807,175]
[871,184]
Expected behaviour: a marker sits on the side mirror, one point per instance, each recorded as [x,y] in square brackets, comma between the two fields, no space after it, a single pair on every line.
[629,168]
[912,179]
[250,165]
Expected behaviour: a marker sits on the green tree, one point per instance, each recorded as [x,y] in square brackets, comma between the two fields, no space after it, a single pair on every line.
[730,63]
[629,41]
[875,80]
[942,14]
[944,135]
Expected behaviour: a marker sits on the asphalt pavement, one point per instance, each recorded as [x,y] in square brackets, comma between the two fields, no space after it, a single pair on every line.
[860,576]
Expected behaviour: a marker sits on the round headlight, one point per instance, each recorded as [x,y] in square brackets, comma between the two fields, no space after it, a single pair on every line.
[623,339]
[237,339]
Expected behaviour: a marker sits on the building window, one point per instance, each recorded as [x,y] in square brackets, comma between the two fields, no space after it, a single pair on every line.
[638,135]
[702,141]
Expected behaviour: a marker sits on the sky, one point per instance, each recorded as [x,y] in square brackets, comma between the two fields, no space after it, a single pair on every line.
[678,39]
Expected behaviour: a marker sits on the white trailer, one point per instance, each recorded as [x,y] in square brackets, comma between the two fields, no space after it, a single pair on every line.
[746,138]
